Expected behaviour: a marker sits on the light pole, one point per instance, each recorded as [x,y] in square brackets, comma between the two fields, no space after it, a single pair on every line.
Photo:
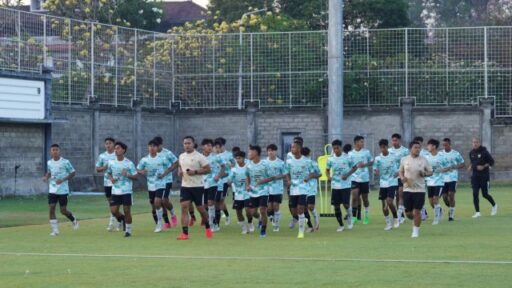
[240,71]
[335,70]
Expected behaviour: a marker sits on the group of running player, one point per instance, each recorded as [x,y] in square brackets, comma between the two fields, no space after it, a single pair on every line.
[258,185]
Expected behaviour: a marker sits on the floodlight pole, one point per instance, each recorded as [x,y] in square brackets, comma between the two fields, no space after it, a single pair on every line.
[240,70]
[335,70]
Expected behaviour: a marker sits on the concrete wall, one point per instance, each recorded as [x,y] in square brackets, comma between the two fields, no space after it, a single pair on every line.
[81,135]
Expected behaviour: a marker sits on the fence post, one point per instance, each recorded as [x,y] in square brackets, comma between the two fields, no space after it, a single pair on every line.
[173,71]
[406,64]
[135,67]
[116,63]
[368,64]
[447,67]
[92,64]
[19,40]
[486,65]
[69,62]
[44,40]
[252,69]
[213,76]
[290,68]
[154,70]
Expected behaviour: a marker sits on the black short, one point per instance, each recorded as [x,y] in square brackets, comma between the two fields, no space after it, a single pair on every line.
[124,199]
[255,202]
[224,190]
[193,194]
[108,191]
[414,200]
[450,187]
[340,196]
[297,200]
[239,204]
[54,198]
[275,198]
[211,193]
[362,187]
[434,191]
[311,200]
[167,190]
[388,192]
[159,193]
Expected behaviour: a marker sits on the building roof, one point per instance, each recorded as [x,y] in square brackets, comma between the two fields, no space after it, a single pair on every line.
[176,13]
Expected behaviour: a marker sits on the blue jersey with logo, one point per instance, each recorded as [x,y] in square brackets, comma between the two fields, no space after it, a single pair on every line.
[257,172]
[340,165]
[299,169]
[215,163]
[437,162]
[454,159]
[123,185]
[388,169]
[313,183]
[154,167]
[171,158]
[277,168]
[237,176]
[361,175]
[59,169]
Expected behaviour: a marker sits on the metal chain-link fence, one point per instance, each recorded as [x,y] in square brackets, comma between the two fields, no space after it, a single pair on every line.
[111,65]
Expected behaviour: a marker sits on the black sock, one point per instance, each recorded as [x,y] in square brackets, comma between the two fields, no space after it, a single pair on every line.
[249,219]
[154,216]
[70,217]
[120,218]
[339,217]
[192,215]
[217,217]
[185,230]
[354,212]
[271,214]
[206,224]
[310,225]
[166,217]
[263,228]
[226,212]
[359,212]
[296,217]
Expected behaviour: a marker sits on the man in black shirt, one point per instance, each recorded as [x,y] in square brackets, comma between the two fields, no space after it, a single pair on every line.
[481,160]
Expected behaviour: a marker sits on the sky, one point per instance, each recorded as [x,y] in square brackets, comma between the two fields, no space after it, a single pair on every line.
[200,2]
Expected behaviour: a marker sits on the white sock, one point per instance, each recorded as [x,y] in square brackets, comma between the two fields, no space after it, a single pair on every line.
[349,212]
[366,210]
[113,220]
[277,218]
[129,228]
[211,214]
[159,215]
[172,212]
[54,225]
[302,221]
[388,220]
[437,209]
[241,223]
[315,215]
[401,209]
[415,229]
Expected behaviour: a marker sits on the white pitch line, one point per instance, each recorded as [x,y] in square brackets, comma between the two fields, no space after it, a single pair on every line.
[312,259]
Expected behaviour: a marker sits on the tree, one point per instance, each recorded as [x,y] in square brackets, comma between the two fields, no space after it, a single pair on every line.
[144,14]
[357,13]
[11,3]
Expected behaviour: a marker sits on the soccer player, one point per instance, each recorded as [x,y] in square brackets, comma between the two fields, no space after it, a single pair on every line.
[312,189]
[451,176]
[228,161]
[289,155]
[121,172]
[399,152]
[435,182]
[276,187]
[481,161]
[413,170]
[361,181]
[236,180]
[342,168]
[166,202]
[101,167]
[156,168]
[60,171]
[192,166]
[256,185]
[211,181]
[299,172]
[386,168]
[424,153]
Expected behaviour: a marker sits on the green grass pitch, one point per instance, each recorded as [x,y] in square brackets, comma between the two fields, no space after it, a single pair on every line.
[465,253]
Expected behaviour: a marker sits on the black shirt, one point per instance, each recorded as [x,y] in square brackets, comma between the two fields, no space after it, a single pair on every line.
[480,156]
